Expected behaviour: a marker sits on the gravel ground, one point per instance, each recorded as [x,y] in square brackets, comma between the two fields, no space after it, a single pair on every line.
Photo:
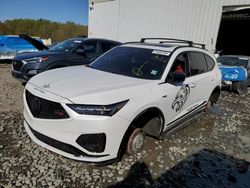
[213,151]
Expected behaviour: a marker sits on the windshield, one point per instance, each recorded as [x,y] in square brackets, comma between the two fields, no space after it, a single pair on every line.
[134,62]
[66,46]
[233,61]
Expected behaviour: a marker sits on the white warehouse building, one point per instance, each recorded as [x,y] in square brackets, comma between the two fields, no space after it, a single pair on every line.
[219,24]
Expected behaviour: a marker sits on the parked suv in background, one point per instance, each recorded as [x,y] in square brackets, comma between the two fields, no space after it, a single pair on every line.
[98,112]
[75,51]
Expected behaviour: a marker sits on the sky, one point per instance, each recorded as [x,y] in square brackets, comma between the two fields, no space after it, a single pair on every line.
[54,10]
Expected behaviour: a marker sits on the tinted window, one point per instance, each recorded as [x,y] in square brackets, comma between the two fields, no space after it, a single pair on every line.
[197,63]
[106,46]
[134,62]
[210,63]
[88,48]
[65,46]
[180,64]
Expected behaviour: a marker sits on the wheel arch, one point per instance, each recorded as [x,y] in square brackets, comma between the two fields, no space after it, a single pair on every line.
[143,116]
[215,94]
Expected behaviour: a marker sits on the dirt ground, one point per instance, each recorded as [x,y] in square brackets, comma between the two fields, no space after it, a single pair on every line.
[213,151]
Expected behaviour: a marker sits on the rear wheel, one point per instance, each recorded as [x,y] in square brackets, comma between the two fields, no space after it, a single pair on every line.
[213,98]
[239,87]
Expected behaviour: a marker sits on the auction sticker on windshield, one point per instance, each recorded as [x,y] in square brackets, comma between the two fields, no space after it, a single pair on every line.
[160,52]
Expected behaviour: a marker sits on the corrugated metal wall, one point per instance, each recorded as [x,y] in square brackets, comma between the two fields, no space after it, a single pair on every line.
[129,20]
[103,19]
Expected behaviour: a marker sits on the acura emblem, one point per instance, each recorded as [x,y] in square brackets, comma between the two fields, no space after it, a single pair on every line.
[46,86]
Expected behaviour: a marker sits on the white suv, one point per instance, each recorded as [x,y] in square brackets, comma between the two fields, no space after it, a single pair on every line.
[98,112]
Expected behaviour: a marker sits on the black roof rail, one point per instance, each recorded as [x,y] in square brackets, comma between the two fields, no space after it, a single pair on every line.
[202,45]
[173,40]
[168,39]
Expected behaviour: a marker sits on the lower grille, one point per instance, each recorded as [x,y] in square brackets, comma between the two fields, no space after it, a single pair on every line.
[58,145]
[45,109]
[17,65]
[92,142]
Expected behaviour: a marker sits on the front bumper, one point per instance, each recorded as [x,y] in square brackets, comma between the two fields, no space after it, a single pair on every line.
[61,135]
[21,76]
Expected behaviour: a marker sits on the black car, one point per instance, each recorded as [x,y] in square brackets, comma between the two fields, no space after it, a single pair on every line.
[74,51]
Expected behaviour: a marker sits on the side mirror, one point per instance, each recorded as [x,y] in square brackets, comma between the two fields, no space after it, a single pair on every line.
[178,77]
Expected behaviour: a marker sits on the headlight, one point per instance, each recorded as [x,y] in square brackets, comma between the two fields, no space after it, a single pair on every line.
[36,59]
[231,76]
[98,110]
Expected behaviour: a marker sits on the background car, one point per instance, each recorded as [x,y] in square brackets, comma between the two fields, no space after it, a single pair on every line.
[11,45]
[74,51]
[235,71]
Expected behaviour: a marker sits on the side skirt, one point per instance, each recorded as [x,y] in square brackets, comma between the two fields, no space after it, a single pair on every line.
[183,121]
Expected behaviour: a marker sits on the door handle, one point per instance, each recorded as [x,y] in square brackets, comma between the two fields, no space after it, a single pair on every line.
[192,85]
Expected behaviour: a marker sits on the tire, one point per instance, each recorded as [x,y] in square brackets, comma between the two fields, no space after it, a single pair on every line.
[239,87]
[136,141]
[214,97]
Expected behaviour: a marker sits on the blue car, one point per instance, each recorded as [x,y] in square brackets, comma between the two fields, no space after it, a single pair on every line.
[235,71]
[11,45]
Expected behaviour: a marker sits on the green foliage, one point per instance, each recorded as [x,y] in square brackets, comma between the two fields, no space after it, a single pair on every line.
[42,28]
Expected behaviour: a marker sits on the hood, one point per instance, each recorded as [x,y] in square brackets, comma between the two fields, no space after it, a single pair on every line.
[84,85]
[37,44]
[28,55]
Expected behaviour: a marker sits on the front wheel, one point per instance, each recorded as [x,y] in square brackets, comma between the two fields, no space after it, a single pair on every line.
[239,87]
[135,141]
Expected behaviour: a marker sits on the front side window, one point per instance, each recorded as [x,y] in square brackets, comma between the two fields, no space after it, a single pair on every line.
[197,62]
[134,62]
[66,46]
[180,64]
[89,48]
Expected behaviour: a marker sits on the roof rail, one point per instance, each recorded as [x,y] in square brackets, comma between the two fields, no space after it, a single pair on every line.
[202,45]
[173,40]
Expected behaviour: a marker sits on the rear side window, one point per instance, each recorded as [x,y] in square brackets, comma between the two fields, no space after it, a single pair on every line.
[210,62]
[197,62]
[106,46]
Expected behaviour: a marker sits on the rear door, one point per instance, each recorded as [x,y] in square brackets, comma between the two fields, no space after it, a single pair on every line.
[201,78]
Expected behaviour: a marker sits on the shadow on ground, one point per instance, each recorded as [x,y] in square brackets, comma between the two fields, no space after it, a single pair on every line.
[207,168]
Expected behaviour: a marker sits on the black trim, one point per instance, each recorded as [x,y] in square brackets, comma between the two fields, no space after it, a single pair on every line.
[92,142]
[67,148]
[173,40]
[187,113]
